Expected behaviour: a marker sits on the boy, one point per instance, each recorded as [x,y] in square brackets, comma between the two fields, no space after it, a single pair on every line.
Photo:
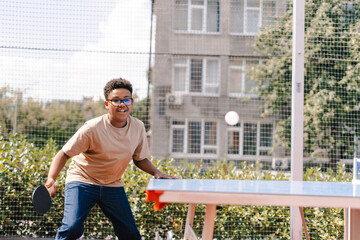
[101,150]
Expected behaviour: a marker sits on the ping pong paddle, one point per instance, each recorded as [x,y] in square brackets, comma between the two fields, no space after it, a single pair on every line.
[41,199]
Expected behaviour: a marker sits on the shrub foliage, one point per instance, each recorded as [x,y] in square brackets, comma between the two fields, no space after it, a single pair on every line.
[24,166]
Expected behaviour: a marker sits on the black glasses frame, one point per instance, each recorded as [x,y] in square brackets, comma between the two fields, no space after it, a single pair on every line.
[117,102]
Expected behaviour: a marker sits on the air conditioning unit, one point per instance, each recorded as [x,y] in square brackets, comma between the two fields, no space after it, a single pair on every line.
[174,99]
[280,163]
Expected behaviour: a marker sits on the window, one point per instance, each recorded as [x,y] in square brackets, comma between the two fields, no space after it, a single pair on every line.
[197,16]
[242,76]
[266,138]
[194,137]
[268,13]
[181,15]
[196,75]
[250,139]
[178,134]
[210,141]
[180,75]
[233,142]
[196,67]
[247,16]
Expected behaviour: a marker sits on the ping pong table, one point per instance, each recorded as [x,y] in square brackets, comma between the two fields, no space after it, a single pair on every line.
[213,192]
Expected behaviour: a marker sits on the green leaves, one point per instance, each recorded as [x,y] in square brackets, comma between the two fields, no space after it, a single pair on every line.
[331,91]
[23,166]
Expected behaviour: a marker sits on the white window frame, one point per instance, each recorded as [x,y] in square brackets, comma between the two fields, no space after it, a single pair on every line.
[187,66]
[203,30]
[244,22]
[181,127]
[203,147]
[242,68]
[237,128]
[260,148]
[240,129]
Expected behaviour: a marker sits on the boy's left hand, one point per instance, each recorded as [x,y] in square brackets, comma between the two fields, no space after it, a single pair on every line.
[160,175]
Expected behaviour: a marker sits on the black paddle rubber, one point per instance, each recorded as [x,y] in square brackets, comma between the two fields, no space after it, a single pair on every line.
[41,199]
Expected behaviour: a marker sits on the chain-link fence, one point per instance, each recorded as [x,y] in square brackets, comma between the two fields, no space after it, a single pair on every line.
[190,62]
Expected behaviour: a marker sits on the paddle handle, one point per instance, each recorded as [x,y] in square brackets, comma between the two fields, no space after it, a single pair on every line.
[52,190]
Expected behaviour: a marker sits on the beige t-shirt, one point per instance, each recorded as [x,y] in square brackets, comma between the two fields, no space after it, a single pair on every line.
[101,152]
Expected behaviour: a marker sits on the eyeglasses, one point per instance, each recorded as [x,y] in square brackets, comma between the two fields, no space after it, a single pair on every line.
[117,102]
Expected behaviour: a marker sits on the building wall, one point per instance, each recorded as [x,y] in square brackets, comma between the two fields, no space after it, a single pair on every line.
[222,45]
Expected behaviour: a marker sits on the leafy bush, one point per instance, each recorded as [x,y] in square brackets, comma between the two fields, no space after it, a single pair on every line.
[24,166]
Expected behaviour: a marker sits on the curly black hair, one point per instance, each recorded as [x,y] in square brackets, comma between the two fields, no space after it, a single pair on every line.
[117,83]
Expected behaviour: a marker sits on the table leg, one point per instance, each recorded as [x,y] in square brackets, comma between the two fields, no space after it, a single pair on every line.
[296,227]
[189,221]
[209,222]
[352,220]
[304,223]
[346,223]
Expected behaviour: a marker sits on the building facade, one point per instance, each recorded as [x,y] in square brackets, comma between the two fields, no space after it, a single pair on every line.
[203,68]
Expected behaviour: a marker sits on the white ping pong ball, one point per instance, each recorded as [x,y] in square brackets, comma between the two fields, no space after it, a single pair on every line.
[231,118]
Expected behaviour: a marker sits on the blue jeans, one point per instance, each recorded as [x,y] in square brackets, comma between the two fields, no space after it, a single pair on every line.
[81,197]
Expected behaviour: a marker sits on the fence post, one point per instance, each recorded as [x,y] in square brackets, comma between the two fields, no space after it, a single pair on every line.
[297,108]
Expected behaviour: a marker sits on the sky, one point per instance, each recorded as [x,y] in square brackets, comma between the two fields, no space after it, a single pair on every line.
[65,49]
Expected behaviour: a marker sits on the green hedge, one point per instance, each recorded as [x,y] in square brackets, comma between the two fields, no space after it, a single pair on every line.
[23,166]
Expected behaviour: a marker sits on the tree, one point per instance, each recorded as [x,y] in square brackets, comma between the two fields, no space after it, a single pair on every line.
[331,91]
[56,120]
[41,121]
[6,114]
[140,108]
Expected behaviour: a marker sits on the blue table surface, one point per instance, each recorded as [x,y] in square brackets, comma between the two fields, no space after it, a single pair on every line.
[343,189]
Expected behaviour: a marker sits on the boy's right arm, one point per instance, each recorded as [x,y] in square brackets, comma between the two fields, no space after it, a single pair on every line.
[57,165]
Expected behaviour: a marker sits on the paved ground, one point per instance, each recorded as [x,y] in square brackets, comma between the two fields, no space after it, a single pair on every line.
[23,238]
